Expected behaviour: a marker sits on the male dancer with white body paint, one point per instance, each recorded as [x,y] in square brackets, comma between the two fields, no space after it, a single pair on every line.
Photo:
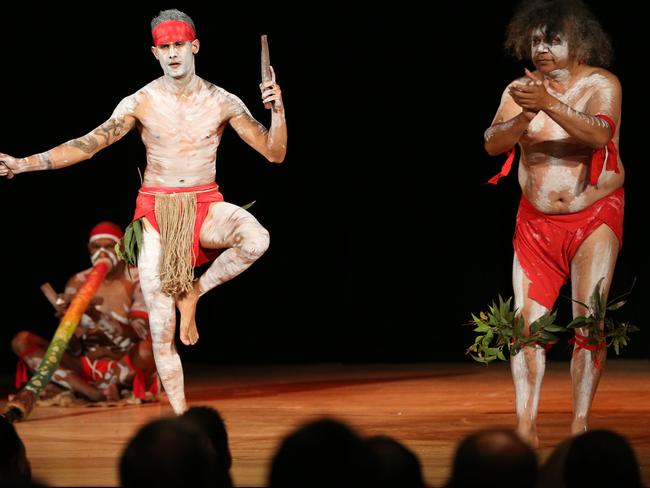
[565,117]
[181,118]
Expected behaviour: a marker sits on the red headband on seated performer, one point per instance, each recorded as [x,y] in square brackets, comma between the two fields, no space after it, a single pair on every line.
[106,230]
[172,31]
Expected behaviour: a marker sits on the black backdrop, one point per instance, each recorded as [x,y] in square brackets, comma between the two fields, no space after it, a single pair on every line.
[384,238]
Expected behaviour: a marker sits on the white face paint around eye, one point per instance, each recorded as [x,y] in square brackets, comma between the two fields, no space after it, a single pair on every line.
[548,53]
[176,58]
[104,252]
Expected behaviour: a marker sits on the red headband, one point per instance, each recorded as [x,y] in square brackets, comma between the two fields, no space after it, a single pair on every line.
[106,230]
[172,31]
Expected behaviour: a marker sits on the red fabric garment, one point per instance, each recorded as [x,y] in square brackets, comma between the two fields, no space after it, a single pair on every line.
[599,155]
[145,206]
[545,244]
[582,342]
[138,314]
[139,381]
[172,31]
[22,371]
[505,169]
[95,369]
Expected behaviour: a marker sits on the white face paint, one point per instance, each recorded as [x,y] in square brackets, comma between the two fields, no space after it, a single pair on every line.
[103,248]
[548,55]
[176,59]
[104,254]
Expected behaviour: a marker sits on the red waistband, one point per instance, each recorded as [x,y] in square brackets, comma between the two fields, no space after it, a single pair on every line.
[179,189]
[566,217]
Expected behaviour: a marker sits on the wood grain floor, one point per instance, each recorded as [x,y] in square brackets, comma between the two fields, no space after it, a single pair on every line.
[429,407]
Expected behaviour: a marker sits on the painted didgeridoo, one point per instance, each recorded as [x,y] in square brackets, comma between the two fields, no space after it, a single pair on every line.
[23,402]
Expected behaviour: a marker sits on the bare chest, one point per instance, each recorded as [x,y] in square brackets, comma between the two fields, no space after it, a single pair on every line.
[116,297]
[192,120]
[544,128]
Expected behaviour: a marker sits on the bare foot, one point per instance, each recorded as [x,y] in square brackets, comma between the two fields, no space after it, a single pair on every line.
[578,426]
[529,435]
[187,306]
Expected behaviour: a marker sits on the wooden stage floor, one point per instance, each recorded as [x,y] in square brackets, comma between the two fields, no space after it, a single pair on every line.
[429,407]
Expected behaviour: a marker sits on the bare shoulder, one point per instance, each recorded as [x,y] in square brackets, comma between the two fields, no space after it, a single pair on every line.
[152,90]
[215,90]
[130,104]
[224,98]
[77,280]
[603,77]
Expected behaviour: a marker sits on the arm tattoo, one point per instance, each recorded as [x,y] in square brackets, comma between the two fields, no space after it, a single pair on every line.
[87,144]
[46,162]
[109,131]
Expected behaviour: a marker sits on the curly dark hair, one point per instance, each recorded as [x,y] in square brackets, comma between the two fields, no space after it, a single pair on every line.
[588,42]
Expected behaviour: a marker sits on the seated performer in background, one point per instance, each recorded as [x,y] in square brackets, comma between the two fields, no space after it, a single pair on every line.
[111,348]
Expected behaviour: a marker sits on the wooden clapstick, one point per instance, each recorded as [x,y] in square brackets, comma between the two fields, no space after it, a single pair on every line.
[266,65]
[50,294]
[53,297]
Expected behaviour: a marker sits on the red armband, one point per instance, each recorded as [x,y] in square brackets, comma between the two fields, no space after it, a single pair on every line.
[608,153]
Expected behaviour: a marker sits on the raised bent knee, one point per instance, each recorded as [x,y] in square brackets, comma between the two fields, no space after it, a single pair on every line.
[21,342]
[253,247]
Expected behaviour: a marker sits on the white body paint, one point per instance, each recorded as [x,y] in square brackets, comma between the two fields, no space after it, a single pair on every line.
[594,261]
[162,320]
[181,118]
[529,365]
[232,227]
[527,369]
[601,262]
[558,133]
[226,226]
[181,132]
[558,182]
